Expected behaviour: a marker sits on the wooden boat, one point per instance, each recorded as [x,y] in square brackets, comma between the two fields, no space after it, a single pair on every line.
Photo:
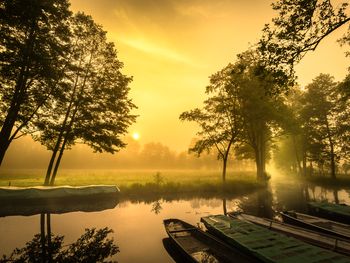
[312,237]
[317,224]
[198,246]
[336,212]
[52,192]
[267,246]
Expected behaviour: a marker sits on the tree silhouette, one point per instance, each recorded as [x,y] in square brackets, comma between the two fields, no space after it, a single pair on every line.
[93,107]
[33,40]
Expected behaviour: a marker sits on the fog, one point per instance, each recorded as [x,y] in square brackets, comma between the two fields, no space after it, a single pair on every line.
[27,154]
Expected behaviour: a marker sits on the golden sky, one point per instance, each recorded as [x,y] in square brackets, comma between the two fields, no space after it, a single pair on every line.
[171,47]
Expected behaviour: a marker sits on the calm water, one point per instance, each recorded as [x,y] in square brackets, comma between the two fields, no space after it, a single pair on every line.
[137,226]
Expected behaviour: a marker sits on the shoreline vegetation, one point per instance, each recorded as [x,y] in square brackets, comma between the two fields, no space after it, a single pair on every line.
[143,182]
[151,184]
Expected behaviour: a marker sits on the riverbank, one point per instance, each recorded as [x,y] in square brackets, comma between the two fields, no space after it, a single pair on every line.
[142,182]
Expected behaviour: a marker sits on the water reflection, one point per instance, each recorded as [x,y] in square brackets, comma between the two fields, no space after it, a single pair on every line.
[156,207]
[57,206]
[142,216]
[93,246]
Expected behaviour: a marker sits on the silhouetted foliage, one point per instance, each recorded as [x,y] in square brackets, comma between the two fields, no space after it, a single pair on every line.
[33,51]
[93,107]
[93,246]
[299,28]
[320,133]
[241,112]
[220,120]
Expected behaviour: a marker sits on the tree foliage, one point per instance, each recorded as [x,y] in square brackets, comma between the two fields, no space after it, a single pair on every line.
[93,107]
[219,120]
[322,127]
[299,27]
[33,45]
[241,111]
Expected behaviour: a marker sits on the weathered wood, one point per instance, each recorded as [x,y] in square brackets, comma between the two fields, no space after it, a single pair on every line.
[198,246]
[317,224]
[337,212]
[266,245]
[315,238]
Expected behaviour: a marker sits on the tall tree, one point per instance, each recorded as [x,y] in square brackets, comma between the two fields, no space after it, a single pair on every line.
[262,112]
[93,107]
[219,120]
[319,114]
[33,39]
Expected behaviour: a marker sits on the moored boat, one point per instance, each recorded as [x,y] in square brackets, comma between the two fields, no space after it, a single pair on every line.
[198,246]
[267,246]
[317,224]
[336,212]
[312,237]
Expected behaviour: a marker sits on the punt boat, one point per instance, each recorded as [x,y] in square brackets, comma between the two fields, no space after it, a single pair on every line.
[312,237]
[336,212]
[317,224]
[199,246]
[266,245]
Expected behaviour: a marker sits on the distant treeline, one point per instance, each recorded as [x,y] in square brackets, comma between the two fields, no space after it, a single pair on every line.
[28,155]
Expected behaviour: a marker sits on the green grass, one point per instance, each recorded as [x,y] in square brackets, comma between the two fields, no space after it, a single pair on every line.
[141,182]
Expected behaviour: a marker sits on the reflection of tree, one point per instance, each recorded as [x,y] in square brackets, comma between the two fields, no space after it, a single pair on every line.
[93,246]
[224,206]
[156,207]
[335,195]
[260,203]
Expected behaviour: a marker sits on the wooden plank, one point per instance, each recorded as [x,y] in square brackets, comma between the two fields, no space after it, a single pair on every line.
[273,247]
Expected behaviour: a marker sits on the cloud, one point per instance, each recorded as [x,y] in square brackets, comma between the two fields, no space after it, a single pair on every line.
[157,50]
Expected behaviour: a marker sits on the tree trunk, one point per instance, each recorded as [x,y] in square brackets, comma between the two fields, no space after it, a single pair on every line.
[224,164]
[53,177]
[18,96]
[12,115]
[332,155]
[297,158]
[60,136]
[260,159]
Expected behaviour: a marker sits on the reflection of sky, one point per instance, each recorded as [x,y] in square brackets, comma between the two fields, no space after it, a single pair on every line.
[139,232]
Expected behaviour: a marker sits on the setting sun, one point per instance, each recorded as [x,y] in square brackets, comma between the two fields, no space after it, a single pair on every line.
[136,136]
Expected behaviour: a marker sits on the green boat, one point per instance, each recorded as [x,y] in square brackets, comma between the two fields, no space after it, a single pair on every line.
[266,245]
[337,212]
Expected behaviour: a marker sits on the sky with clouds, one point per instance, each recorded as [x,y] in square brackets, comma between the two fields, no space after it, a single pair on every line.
[171,47]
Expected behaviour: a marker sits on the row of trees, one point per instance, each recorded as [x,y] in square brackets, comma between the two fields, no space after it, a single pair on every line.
[320,132]
[250,102]
[240,115]
[60,80]
[312,125]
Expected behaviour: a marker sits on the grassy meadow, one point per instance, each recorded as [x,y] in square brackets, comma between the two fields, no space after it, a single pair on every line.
[134,182]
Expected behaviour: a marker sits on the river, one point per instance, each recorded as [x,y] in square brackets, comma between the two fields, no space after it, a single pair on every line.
[137,226]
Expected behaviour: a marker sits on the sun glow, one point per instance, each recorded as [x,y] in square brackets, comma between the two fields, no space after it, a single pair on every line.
[136,136]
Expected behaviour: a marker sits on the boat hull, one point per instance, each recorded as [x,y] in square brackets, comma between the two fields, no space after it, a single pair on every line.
[266,245]
[340,213]
[312,237]
[198,246]
[319,224]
